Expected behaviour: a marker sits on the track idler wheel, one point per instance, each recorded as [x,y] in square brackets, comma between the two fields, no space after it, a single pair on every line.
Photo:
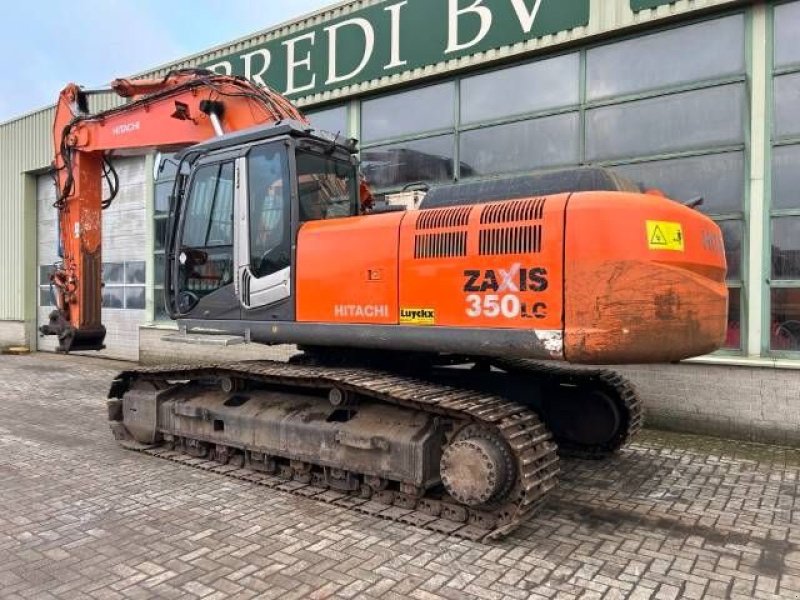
[476,468]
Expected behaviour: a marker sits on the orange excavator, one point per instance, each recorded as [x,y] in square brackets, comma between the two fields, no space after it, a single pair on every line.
[433,383]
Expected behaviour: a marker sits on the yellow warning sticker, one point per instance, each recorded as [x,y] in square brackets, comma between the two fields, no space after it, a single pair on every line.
[664,235]
[417,316]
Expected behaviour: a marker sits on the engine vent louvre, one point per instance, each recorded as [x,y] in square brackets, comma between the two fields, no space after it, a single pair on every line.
[440,245]
[511,240]
[513,211]
[444,217]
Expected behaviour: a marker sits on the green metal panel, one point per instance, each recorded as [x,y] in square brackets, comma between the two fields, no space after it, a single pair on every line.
[392,37]
[638,5]
[558,17]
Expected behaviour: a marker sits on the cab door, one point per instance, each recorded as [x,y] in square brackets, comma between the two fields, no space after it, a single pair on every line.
[204,266]
[264,233]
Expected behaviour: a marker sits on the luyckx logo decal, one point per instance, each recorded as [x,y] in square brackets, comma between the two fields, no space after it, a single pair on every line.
[417,316]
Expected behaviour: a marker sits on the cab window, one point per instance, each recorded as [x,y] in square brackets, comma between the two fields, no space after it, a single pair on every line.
[269,197]
[327,187]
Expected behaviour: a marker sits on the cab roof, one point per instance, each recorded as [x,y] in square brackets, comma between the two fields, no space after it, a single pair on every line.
[263,133]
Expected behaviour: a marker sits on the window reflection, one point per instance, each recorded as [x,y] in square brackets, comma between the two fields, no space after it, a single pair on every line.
[539,143]
[733,337]
[718,179]
[785,321]
[707,50]
[787,108]
[269,194]
[786,177]
[428,160]
[332,120]
[787,24]
[689,120]
[531,87]
[113,272]
[416,111]
[732,232]
[113,297]
[786,248]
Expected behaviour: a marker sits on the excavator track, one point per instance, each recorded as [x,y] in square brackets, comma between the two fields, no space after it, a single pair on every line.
[529,445]
[619,391]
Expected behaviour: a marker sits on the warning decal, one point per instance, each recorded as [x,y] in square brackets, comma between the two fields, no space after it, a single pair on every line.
[664,235]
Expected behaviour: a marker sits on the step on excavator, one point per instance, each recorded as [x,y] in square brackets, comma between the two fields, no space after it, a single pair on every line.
[445,353]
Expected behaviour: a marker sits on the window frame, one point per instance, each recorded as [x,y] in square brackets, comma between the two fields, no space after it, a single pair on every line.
[774,141]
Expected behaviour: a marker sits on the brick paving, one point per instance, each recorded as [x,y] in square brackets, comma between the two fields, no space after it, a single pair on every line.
[673,516]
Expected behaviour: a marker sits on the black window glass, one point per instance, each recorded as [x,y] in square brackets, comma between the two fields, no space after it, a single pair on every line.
[134,297]
[787,105]
[732,233]
[44,274]
[134,272]
[206,253]
[527,88]
[689,120]
[113,272]
[269,196]
[198,211]
[332,120]
[159,261]
[525,146]
[220,229]
[733,337]
[161,199]
[707,50]
[787,24]
[785,319]
[717,178]
[46,296]
[429,160]
[160,233]
[113,297]
[406,113]
[786,248]
[326,187]
[786,177]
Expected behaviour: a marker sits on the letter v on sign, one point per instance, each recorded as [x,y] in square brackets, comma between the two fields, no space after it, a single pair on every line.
[526,18]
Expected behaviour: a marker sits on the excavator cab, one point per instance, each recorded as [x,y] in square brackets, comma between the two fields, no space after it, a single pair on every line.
[235,214]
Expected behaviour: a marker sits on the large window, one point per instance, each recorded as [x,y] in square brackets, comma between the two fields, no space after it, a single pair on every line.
[419,125]
[332,120]
[784,277]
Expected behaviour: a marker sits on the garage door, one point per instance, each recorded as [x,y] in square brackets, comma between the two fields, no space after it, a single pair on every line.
[124,251]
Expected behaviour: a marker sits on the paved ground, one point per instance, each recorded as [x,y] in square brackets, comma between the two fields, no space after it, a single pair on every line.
[672,517]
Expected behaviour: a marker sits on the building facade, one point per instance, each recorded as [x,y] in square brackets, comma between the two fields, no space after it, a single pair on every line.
[700,98]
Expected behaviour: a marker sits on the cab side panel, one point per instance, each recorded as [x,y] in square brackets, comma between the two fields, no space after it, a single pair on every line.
[347,270]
